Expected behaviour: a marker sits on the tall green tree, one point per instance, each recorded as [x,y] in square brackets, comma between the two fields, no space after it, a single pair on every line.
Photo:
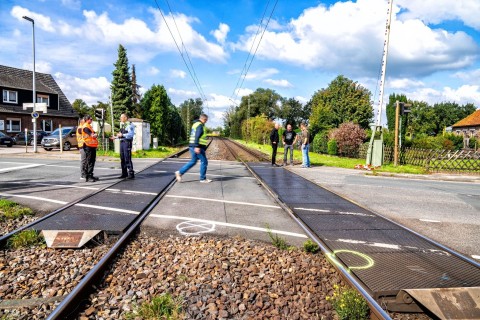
[190,110]
[121,86]
[342,101]
[82,108]
[165,121]
[448,113]
[137,111]
[292,112]
[262,101]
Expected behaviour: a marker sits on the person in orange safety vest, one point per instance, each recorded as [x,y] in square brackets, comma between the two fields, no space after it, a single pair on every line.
[90,144]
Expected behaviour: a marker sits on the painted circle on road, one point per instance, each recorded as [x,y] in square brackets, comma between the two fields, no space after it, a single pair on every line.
[369,260]
[195,227]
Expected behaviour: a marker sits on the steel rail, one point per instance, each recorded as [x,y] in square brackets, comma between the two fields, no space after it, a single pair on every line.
[330,255]
[5,237]
[70,302]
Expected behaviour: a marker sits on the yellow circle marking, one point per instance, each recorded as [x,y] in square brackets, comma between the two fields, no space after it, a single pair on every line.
[369,260]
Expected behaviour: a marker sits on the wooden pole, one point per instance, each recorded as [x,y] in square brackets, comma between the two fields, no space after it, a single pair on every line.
[397,116]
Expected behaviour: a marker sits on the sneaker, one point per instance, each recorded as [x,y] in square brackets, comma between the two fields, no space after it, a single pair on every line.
[205,181]
[178,176]
[82,177]
[91,179]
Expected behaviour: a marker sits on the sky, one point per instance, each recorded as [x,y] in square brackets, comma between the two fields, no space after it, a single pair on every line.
[225,49]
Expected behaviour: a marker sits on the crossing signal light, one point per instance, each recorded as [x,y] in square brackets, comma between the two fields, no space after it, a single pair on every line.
[404,108]
[99,114]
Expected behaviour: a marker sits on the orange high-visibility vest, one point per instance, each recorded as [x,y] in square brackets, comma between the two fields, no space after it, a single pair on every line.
[79,135]
[88,139]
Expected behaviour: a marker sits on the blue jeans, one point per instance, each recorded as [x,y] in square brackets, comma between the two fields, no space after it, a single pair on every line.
[305,156]
[285,153]
[195,157]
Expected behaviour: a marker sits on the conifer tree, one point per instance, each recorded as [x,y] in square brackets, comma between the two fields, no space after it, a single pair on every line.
[121,85]
[137,110]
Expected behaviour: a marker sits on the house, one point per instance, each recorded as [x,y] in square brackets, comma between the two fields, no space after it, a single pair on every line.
[468,127]
[16,87]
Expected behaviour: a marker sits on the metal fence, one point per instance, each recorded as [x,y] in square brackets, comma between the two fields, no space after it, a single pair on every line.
[465,161]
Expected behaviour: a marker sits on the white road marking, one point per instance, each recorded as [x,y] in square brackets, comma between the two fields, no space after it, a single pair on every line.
[224,201]
[429,220]
[338,212]
[232,225]
[311,209]
[20,167]
[211,175]
[31,197]
[132,192]
[106,208]
[475,257]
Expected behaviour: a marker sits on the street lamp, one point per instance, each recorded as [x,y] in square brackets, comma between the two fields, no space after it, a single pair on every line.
[34,120]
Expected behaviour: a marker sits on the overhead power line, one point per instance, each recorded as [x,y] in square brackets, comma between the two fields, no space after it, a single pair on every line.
[250,56]
[189,66]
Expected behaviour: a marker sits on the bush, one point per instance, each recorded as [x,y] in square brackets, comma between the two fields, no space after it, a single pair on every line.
[310,246]
[349,304]
[25,238]
[332,147]
[349,137]
[320,142]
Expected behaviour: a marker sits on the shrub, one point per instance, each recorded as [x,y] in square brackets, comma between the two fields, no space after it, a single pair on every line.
[11,210]
[164,307]
[25,238]
[349,137]
[332,147]
[320,142]
[349,304]
[310,246]
[278,242]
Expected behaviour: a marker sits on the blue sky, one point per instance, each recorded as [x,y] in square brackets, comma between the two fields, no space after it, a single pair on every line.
[434,52]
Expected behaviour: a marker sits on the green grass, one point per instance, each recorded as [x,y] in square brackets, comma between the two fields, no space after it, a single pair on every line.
[160,152]
[310,246]
[277,241]
[164,307]
[25,238]
[326,160]
[12,210]
[349,304]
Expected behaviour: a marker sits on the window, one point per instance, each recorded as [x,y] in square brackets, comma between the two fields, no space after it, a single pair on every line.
[14,125]
[10,96]
[43,98]
[47,125]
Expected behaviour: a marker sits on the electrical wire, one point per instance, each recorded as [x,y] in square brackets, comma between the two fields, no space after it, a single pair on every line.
[192,71]
[245,67]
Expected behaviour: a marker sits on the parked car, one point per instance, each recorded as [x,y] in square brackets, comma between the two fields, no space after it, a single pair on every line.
[69,139]
[20,138]
[6,140]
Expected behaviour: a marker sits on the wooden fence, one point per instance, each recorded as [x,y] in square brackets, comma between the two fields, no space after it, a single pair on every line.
[465,161]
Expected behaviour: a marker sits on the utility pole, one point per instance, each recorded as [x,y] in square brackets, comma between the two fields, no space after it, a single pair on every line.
[34,120]
[397,116]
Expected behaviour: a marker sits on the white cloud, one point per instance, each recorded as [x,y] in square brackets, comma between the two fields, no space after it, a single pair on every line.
[40,66]
[348,37]
[461,95]
[153,71]
[279,83]
[437,11]
[221,33]
[243,92]
[90,90]
[261,74]
[302,100]
[180,95]
[72,4]
[41,21]
[175,73]
[470,76]
[404,83]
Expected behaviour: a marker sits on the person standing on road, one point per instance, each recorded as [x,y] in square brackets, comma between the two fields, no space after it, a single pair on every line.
[127,131]
[305,145]
[274,139]
[90,144]
[289,138]
[80,142]
[197,147]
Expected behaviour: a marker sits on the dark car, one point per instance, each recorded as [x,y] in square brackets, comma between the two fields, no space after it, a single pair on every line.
[6,140]
[20,138]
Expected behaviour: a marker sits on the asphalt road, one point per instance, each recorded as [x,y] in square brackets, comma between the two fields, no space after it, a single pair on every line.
[445,211]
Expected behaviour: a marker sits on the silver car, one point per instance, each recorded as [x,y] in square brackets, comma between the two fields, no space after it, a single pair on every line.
[69,139]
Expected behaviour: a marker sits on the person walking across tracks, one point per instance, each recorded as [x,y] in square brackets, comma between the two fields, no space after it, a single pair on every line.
[289,138]
[305,145]
[197,147]
[274,139]
[80,142]
[126,133]
[90,144]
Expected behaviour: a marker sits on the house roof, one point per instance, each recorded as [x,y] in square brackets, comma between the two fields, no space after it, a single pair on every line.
[469,121]
[22,79]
